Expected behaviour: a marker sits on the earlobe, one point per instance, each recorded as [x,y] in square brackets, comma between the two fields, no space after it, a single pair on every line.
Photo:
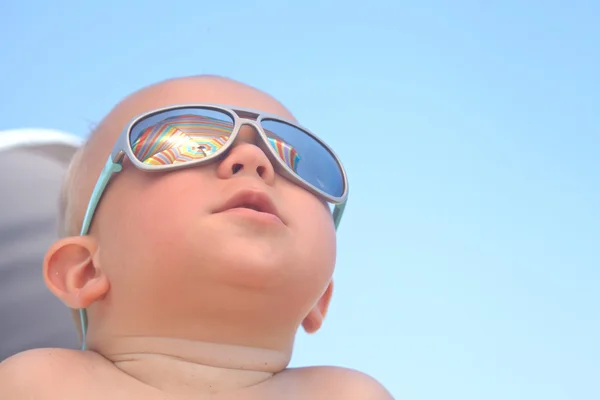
[316,316]
[72,272]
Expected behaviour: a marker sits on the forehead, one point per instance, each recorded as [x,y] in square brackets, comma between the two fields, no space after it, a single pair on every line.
[199,90]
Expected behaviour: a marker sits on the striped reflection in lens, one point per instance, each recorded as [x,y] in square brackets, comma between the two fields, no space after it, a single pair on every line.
[180,136]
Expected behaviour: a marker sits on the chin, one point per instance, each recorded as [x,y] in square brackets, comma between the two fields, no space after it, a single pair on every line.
[255,264]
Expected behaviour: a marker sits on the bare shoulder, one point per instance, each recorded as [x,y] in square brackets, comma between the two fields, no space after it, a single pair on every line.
[339,383]
[34,372]
[48,361]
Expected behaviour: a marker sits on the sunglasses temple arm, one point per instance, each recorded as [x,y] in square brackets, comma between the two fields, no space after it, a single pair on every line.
[109,169]
[338,211]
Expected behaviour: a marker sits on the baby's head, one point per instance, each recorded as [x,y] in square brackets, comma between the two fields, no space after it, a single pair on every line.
[217,228]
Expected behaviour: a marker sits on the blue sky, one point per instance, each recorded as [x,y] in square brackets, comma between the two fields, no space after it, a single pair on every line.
[469,261]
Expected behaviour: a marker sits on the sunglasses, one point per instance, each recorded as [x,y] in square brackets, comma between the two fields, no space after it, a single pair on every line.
[184,136]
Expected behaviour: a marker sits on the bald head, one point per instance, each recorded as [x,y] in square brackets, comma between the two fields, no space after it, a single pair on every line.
[89,160]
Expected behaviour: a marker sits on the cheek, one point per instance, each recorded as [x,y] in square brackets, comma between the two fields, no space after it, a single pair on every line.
[141,230]
[316,245]
[314,218]
[321,233]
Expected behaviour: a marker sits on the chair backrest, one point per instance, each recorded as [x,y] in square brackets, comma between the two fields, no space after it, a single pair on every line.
[32,165]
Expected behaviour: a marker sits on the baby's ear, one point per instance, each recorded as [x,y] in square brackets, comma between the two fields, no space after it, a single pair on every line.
[72,272]
[315,317]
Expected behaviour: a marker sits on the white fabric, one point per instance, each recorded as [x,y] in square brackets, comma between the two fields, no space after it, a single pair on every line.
[46,140]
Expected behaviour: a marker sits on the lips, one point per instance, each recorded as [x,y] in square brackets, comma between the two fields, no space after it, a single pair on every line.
[251,200]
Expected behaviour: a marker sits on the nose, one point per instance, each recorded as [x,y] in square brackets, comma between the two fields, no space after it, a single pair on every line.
[246,158]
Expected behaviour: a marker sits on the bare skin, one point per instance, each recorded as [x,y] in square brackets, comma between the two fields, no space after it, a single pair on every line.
[186,302]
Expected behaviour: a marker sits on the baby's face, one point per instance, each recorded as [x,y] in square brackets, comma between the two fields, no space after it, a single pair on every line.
[169,238]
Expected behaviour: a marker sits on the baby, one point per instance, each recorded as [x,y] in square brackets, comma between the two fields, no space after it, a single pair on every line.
[197,238]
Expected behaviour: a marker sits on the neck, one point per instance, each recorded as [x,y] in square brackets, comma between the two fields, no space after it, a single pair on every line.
[186,368]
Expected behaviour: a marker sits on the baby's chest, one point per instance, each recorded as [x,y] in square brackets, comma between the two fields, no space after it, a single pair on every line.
[106,385]
[125,390]
[133,393]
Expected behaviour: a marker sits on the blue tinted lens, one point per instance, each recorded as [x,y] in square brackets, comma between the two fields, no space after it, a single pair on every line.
[180,136]
[306,156]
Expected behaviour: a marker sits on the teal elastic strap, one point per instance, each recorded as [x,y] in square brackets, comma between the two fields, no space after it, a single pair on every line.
[338,211]
[109,169]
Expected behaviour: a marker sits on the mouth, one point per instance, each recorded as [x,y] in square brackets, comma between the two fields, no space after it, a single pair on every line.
[251,202]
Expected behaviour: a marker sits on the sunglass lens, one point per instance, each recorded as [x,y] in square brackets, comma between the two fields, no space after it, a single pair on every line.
[180,135]
[306,156]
